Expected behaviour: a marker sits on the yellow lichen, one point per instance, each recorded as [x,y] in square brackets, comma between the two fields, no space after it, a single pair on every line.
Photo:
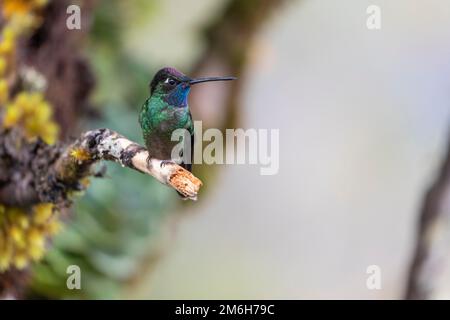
[80,154]
[3,91]
[9,34]
[6,46]
[42,213]
[13,8]
[28,110]
[24,234]
[33,114]
[85,182]
[2,65]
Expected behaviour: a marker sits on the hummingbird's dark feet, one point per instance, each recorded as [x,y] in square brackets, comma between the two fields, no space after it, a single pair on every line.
[164,163]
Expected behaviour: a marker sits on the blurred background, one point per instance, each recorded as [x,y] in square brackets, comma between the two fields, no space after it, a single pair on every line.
[364,124]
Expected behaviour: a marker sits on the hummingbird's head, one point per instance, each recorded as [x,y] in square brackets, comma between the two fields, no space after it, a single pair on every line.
[174,86]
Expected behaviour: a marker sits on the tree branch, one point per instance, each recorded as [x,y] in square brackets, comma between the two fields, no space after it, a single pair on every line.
[37,172]
[104,144]
[432,247]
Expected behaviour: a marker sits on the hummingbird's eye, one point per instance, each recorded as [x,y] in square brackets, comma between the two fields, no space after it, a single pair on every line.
[170,81]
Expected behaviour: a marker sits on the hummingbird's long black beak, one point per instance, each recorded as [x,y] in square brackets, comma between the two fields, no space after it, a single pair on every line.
[200,80]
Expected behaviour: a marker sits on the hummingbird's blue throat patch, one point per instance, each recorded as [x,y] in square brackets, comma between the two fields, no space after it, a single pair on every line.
[178,97]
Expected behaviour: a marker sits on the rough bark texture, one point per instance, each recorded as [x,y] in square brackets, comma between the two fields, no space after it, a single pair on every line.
[24,178]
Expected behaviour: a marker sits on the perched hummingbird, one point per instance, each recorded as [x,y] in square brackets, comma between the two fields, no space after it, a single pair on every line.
[167,110]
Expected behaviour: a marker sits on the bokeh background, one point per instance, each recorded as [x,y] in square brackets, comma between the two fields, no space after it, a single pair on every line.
[363,118]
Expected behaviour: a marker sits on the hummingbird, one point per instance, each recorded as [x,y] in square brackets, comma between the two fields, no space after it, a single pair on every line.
[166,110]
